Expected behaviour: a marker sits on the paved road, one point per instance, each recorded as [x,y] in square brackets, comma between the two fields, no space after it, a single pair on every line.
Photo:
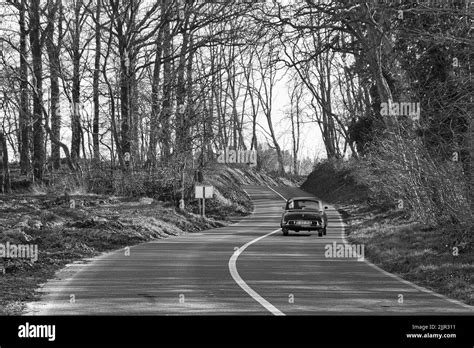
[240,269]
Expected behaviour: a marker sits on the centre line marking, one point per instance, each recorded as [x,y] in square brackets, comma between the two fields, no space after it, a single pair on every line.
[235,274]
[278,193]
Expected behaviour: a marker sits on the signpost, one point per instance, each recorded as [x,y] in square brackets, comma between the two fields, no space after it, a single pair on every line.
[203,192]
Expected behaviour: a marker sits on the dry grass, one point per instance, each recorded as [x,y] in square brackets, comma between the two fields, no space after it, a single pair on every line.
[425,256]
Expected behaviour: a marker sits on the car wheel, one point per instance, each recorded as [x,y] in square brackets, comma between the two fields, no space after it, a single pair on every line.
[320,233]
[285,231]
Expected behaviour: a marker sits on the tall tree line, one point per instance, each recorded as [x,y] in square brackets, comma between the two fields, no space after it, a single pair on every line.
[144,83]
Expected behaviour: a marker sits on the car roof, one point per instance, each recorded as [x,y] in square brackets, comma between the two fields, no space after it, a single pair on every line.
[303,198]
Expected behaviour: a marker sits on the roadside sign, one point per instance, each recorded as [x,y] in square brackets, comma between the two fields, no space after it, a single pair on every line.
[198,191]
[201,191]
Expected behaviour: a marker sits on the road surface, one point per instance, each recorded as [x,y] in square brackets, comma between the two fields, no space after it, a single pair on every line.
[248,268]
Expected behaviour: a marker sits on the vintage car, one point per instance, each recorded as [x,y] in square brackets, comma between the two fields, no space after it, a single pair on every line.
[304,214]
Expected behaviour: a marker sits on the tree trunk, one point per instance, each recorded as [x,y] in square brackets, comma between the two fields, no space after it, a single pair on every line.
[281,168]
[54,69]
[95,84]
[38,132]
[4,169]
[76,137]
[24,119]
[181,145]
[295,125]
[248,72]
[167,86]
[188,121]
[133,84]
[125,105]
[155,105]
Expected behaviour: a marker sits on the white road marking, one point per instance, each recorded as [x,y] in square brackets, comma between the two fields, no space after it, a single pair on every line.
[277,193]
[235,274]
[238,279]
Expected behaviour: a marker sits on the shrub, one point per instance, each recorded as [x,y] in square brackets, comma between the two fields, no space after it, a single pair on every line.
[433,190]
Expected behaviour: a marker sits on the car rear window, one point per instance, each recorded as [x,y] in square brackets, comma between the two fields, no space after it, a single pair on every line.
[303,204]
